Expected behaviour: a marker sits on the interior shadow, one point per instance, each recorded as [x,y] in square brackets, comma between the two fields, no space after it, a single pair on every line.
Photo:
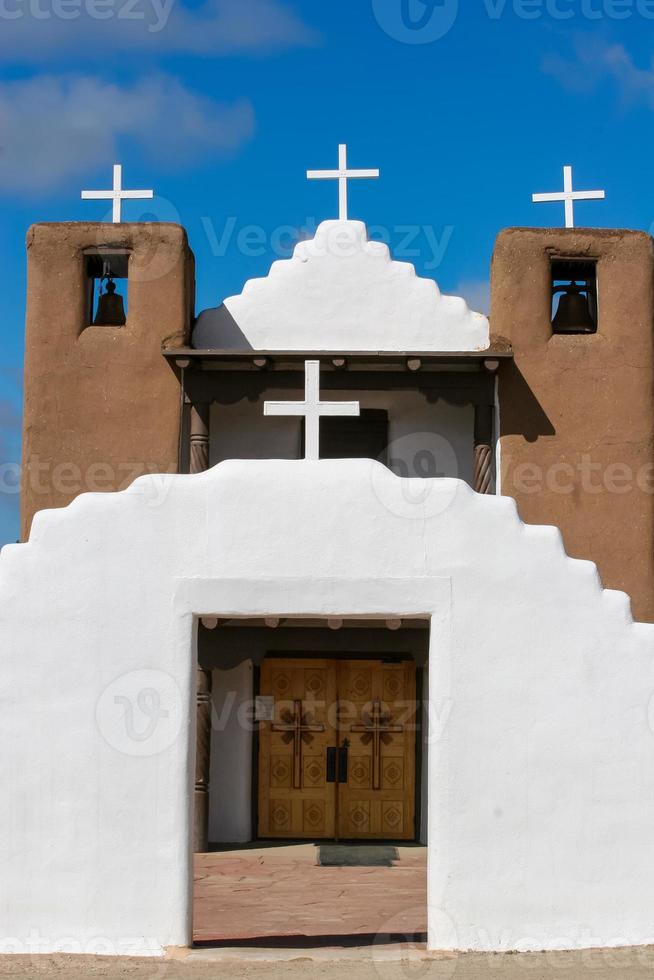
[216,329]
[255,845]
[522,413]
[317,942]
[357,856]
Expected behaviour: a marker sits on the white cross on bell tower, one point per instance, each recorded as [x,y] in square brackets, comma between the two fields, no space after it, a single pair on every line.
[569,197]
[312,409]
[117,195]
[342,175]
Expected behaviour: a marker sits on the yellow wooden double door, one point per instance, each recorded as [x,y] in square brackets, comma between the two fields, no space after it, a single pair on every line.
[337,757]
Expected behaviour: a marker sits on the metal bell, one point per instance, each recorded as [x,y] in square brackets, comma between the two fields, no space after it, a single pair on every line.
[111,311]
[573,314]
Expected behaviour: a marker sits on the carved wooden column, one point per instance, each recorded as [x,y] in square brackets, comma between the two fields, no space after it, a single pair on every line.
[199,461]
[202,761]
[484,425]
[484,449]
[199,440]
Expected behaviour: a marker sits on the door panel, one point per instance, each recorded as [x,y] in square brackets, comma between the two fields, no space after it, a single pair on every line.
[366,790]
[295,798]
[377,717]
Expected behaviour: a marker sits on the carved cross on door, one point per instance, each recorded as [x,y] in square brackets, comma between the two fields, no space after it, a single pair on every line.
[297,728]
[376,728]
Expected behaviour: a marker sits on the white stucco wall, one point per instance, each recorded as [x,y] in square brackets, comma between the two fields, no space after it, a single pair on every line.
[541,779]
[341,292]
[230,786]
[425,438]
[424,759]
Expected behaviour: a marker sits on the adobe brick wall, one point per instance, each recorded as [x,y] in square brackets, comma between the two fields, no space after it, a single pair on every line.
[577,412]
[101,404]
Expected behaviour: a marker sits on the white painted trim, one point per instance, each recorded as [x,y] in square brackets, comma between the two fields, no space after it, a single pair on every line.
[286,597]
[498,440]
[195,598]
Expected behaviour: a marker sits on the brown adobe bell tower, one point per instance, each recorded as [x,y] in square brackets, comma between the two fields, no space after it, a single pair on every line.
[101,405]
[576,406]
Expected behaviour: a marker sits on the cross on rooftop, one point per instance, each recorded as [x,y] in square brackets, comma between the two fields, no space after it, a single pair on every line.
[569,197]
[117,194]
[342,175]
[312,409]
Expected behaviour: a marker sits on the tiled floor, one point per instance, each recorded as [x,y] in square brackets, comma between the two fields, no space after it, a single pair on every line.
[283,892]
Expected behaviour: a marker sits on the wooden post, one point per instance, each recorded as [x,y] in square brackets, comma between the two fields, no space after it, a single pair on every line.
[202,762]
[199,462]
[484,449]
[199,441]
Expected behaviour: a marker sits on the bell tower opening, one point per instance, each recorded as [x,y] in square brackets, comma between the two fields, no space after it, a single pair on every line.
[107,287]
[574,296]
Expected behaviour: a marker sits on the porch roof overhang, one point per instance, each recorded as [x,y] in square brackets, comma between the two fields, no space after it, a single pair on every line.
[388,361]
[460,378]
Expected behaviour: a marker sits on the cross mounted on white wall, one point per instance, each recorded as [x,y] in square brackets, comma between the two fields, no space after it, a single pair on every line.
[312,409]
[569,197]
[117,195]
[342,175]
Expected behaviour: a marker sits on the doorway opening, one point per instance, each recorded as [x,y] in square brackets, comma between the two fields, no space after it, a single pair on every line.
[317,782]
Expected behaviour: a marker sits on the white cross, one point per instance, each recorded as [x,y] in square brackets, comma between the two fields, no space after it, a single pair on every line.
[342,175]
[117,195]
[312,409]
[569,196]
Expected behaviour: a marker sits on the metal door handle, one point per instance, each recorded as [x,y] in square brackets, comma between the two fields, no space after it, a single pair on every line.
[331,764]
[343,754]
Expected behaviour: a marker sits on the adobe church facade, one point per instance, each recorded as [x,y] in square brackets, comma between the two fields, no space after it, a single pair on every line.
[567,416]
[323,519]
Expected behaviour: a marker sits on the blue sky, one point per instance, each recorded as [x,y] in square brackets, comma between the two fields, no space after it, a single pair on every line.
[221,106]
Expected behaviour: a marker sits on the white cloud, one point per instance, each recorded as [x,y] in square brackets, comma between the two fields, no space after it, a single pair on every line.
[55,128]
[34,30]
[476,293]
[596,60]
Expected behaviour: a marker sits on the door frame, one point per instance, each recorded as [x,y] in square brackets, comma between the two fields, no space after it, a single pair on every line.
[364,598]
[344,655]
